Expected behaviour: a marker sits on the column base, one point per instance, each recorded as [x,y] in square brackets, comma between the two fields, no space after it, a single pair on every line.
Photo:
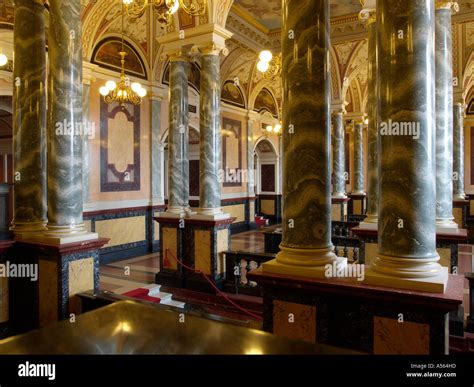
[188,211]
[446,226]
[25,230]
[210,211]
[306,257]
[172,215]
[359,193]
[57,236]
[371,222]
[435,284]
[176,212]
[339,195]
[204,216]
[276,267]
[459,197]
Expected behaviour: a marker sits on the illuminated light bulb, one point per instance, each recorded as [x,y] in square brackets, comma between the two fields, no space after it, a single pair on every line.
[111,85]
[127,2]
[120,92]
[173,6]
[262,66]
[142,92]
[266,56]
[277,128]
[104,91]
[3,60]
[269,128]
[135,86]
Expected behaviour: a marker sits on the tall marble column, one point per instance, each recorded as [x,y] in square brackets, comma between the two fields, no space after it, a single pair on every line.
[250,160]
[65,202]
[339,156]
[372,158]
[178,164]
[86,154]
[157,153]
[359,186]
[444,114]
[458,175]
[210,134]
[29,119]
[407,256]
[306,243]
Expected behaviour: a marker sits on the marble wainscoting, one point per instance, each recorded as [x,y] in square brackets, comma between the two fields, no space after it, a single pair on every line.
[270,207]
[62,272]
[242,209]
[131,231]
[350,314]
[198,244]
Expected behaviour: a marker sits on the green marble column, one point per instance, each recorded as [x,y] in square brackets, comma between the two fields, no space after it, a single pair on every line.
[178,164]
[458,162]
[65,109]
[29,118]
[306,225]
[407,213]
[210,133]
[86,154]
[372,160]
[339,157]
[444,114]
[359,180]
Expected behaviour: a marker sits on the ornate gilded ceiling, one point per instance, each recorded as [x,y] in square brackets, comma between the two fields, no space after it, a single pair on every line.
[268,13]
[254,29]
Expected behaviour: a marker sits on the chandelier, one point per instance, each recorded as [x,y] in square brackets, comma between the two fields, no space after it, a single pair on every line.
[272,130]
[165,8]
[123,92]
[269,65]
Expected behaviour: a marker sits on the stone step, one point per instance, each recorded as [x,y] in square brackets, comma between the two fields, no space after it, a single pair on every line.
[171,302]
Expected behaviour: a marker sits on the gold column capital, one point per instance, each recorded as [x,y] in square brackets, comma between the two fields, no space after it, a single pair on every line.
[178,55]
[452,5]
[368,16]
[210,49]
[341,112]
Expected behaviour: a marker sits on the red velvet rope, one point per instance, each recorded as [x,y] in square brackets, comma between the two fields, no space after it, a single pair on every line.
[213,285]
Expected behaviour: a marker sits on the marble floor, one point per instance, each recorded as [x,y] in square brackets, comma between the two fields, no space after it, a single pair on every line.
[123,276]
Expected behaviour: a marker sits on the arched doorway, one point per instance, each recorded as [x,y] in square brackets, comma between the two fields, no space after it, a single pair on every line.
[267,166]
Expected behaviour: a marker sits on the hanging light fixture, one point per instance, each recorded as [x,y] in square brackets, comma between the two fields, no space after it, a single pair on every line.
[3,59]
[165,8]
[275,130]
[269,65]
[123,92]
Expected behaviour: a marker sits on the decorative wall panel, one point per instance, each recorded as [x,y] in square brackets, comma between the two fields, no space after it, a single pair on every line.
[119,148]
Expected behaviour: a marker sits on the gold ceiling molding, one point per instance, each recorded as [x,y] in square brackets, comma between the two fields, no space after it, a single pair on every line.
[249,18]
[244,14]
[345,19]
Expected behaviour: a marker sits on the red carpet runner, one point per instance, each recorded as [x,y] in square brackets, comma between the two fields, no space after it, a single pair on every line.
[142,294]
